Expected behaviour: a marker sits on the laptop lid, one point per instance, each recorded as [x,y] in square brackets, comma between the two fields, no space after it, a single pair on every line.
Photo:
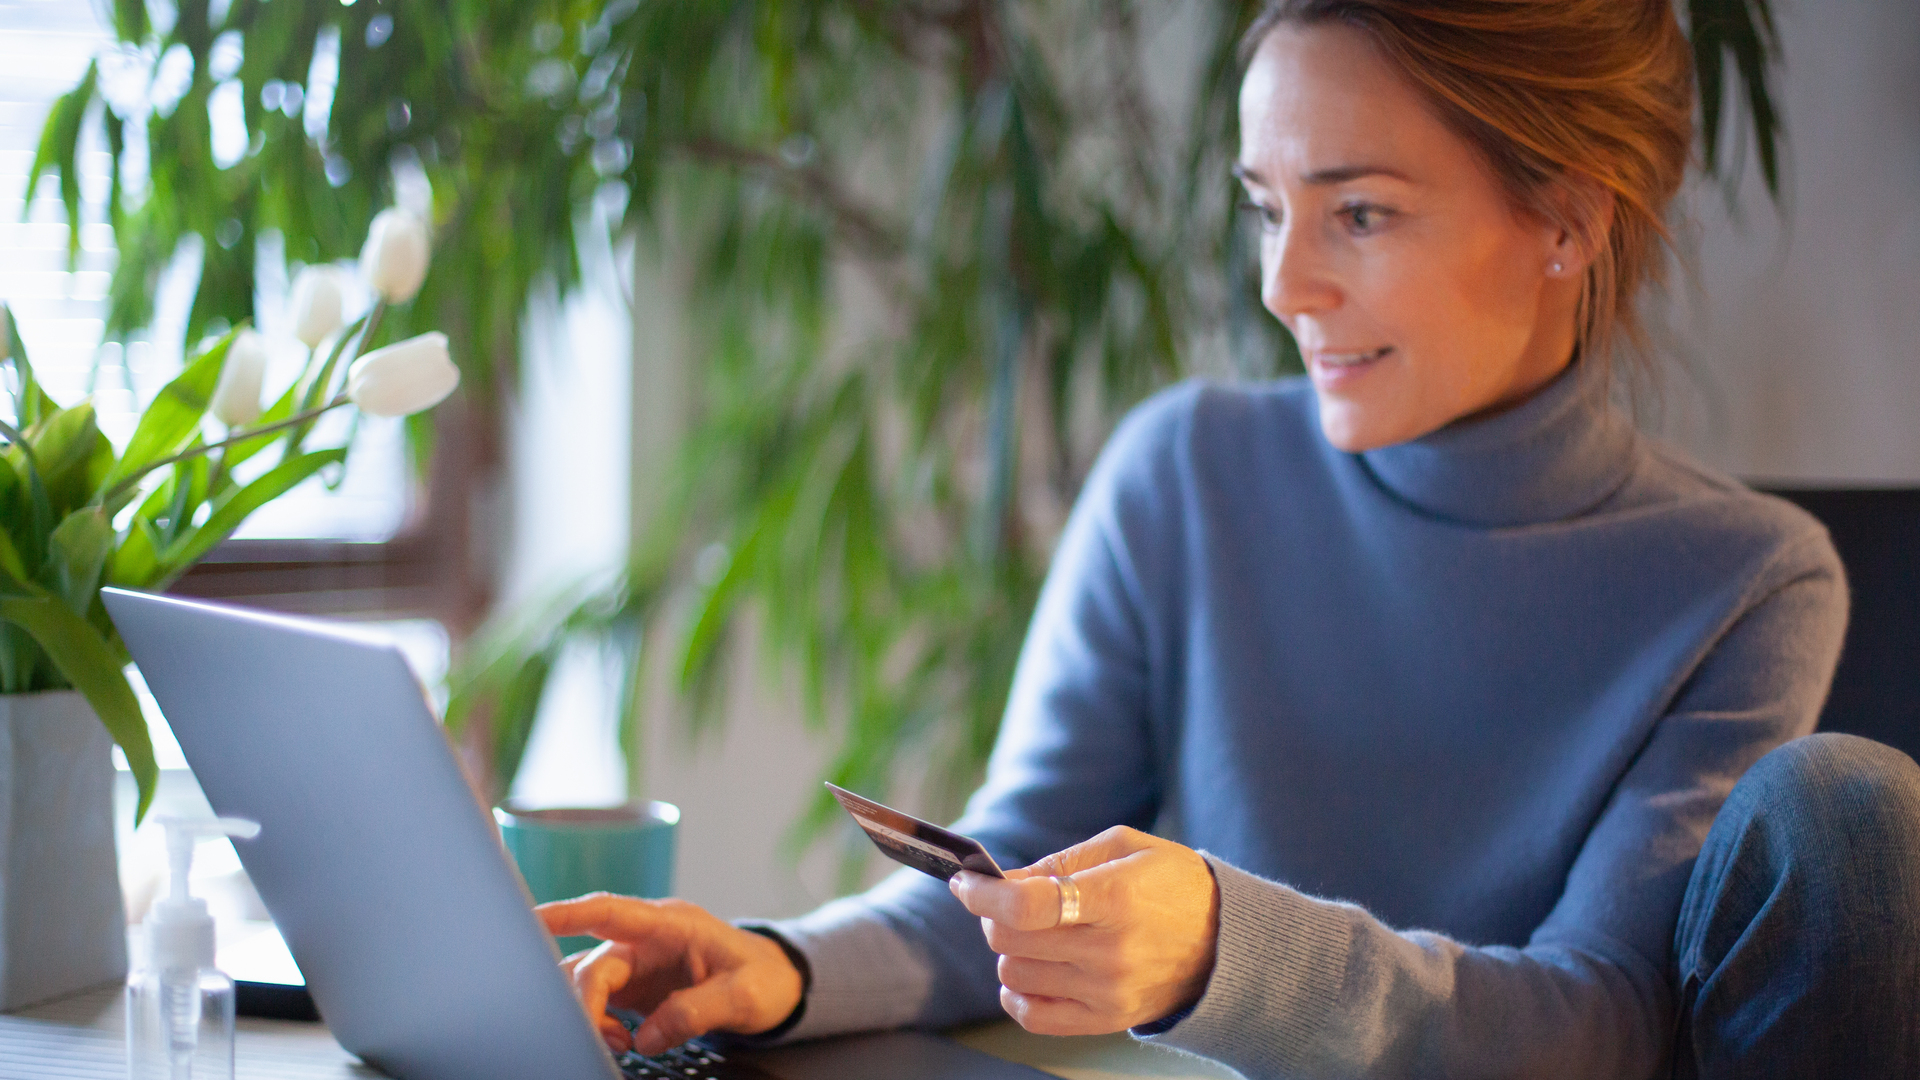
[384,874]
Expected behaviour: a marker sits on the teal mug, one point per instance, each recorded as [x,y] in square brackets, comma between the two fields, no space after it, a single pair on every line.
[566,851]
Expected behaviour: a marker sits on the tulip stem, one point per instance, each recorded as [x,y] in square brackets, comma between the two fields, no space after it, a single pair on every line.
[356,335]
[233,437]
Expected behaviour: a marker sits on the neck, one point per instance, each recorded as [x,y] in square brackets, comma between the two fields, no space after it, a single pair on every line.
[1554,453]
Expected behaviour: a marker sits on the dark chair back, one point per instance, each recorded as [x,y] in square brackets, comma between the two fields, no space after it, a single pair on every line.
[1876,692]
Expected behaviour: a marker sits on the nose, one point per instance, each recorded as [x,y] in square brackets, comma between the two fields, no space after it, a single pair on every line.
[1293,274]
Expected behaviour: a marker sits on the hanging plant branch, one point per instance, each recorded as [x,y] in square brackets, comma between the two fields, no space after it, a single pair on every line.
[859,225]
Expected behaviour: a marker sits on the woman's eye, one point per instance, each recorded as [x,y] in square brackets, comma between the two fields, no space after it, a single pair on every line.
[1364,217]
[1266,216]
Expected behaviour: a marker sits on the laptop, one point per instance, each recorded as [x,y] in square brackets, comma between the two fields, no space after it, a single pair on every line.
[387,878]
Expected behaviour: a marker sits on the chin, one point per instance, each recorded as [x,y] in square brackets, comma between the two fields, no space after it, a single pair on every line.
[1350,428]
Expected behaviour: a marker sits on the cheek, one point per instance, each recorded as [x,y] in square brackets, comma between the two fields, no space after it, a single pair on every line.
[1463,320]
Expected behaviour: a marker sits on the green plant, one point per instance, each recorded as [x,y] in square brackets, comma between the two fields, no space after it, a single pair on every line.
[76,515]
[1035,238]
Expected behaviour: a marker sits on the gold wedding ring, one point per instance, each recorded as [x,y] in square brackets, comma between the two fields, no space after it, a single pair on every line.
[1069,900]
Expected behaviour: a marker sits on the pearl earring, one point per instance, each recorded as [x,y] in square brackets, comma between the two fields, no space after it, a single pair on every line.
[1555,268]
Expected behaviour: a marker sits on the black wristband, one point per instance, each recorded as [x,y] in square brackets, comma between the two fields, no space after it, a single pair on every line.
[799,961]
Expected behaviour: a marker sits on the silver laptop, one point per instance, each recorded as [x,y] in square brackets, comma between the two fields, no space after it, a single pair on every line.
[387,879]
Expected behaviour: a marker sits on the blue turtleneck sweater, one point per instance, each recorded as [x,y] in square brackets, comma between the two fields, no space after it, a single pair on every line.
[1449,719]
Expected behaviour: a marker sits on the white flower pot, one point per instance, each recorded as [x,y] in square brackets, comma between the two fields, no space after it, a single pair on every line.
[63,924]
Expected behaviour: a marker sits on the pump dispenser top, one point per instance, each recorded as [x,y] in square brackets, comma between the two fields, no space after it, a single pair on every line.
[179,928]
[179,1006]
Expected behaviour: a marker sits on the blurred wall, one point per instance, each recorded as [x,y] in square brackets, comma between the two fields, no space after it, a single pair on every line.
[1794,351]
[738,788]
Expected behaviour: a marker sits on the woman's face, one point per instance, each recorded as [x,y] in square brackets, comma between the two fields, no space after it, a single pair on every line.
[1417,293]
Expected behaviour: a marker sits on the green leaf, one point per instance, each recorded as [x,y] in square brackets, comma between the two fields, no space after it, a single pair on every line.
[130,21]
[76,554]
[515,711]
[87,662]
[32,403]
[38,519]
[504,692]
[136,562]
[58,142]
[11,565]
[72,457]
[320,384]
[1745,29]
[230,512]
[241,450]
[175,413]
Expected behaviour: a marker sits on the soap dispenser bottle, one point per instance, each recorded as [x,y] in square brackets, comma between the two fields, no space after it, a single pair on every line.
[179,1006]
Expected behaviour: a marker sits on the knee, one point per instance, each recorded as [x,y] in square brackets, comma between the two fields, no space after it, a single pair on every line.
[1831,789]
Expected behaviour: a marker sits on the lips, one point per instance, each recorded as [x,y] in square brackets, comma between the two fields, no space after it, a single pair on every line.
[1335,367]
[1331,358]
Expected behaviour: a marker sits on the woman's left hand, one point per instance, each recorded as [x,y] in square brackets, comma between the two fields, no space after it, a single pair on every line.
[1141,949]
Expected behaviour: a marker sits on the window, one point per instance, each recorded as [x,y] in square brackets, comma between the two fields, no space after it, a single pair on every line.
[378,543]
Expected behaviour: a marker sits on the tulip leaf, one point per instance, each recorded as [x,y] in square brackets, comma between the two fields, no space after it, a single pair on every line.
[320,384]
[178,499]
[31,402]
[13,570]
[136,563]
[91,666]
[15,514]
[190,545]
[175,413]
[76,554]
[72,457]
[244,448]
[39,511]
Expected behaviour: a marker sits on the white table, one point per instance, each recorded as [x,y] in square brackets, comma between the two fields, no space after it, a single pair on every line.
[81,1038]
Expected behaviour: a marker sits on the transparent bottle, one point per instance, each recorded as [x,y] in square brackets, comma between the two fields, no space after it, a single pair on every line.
[179,1005]
[179,1024]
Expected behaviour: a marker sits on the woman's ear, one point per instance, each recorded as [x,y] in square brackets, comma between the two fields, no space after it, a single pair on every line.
[1579,226]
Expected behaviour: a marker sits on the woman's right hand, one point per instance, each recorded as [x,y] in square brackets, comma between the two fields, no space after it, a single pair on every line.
[688,972]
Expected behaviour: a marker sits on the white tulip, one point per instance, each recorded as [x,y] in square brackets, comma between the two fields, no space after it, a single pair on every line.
[394,262]
[316,304]
[403,378]
[236,397]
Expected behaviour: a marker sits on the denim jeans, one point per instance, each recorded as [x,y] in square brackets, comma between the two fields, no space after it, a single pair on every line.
[1797,952]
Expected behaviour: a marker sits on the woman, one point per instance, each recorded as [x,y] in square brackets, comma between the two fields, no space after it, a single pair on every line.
[1439,670]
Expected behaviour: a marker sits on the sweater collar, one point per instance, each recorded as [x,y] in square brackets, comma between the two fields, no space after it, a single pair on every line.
[1554,456]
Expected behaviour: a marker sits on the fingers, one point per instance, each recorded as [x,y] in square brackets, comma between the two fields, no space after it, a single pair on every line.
[1025,904]
[1040,978]
[1115,843]
[723,1002]
[596,976]
[1142,946]
[614,1034]
[606,916]
[1072,944]
[1029,899]
[1052,1016]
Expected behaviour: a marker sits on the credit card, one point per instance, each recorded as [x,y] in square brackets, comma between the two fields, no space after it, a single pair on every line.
[909,841]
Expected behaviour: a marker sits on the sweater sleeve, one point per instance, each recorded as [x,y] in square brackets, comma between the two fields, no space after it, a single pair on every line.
[1074,757]
[1307,987]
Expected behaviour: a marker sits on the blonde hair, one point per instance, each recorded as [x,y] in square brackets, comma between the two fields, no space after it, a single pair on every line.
[1570,101]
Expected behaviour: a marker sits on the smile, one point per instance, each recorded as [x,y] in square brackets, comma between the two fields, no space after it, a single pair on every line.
[1328,365]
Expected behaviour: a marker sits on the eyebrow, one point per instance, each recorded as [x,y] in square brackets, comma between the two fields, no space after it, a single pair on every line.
[1339,174]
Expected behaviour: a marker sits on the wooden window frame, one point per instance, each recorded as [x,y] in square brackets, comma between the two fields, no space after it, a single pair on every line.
[438,565]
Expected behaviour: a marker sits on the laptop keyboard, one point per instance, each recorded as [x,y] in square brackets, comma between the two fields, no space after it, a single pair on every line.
[690,1062]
